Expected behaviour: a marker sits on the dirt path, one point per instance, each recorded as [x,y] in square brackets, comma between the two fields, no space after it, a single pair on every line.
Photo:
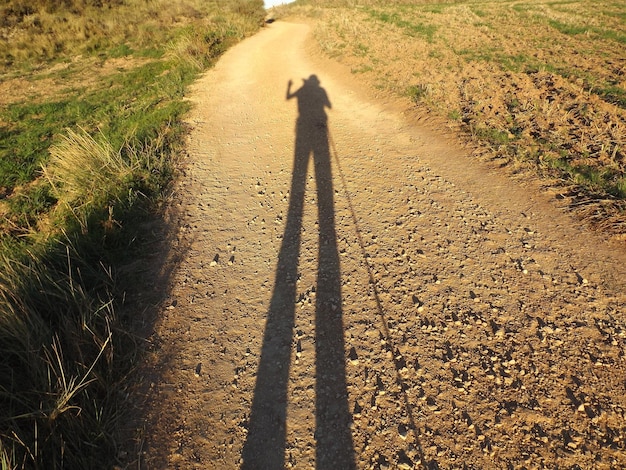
[378,301]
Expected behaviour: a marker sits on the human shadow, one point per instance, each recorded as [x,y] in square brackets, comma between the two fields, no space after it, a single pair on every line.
[265,444]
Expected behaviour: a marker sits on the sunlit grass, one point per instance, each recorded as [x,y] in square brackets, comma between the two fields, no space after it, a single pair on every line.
[88,141]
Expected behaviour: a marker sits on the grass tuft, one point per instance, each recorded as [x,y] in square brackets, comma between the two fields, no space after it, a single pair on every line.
[84,171]
[56,355]
[417,92]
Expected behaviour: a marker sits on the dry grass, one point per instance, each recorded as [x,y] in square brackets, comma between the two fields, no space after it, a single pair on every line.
[74,207]
[55,341]
[40,30]
[80,168]
[199,46]
[541,85]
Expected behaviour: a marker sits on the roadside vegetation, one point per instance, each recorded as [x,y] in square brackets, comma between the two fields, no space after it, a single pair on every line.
[91,101]
[537,85]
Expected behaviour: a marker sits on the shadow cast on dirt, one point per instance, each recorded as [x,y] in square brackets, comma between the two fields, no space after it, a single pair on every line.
[266,439]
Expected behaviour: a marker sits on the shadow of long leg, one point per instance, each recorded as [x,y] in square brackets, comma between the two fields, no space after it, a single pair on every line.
[333,419]
[265,444]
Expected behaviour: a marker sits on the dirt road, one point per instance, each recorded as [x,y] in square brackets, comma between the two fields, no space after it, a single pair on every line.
[356,292]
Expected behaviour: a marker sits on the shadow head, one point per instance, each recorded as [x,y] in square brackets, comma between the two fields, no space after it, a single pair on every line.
[312,80]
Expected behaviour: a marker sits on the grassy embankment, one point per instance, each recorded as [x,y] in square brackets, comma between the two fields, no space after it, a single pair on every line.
[537,84]
[90,107]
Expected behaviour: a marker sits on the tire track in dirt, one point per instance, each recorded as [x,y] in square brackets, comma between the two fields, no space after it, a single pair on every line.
[457,317]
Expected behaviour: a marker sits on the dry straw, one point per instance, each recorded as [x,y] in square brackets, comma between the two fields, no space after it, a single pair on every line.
[82,169]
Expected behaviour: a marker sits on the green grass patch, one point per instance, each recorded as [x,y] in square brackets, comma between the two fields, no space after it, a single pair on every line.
[435,54]
[454,115]
[24,142]
[131,104]
[515,63]
[361,50]
[436,8]
[362,69]
[427,31]
[574,30]
[28,205]
[611,35]
[417,92]
[512,63]
[593,179]
[121,50]
[485,55]
[479,12]
[491,135]
[619,13]
[613,94]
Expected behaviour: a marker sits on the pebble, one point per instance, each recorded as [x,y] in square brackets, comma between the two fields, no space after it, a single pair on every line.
[402,431]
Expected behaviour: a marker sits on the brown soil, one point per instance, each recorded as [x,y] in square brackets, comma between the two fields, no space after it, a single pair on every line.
[382,300]
[529,95]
